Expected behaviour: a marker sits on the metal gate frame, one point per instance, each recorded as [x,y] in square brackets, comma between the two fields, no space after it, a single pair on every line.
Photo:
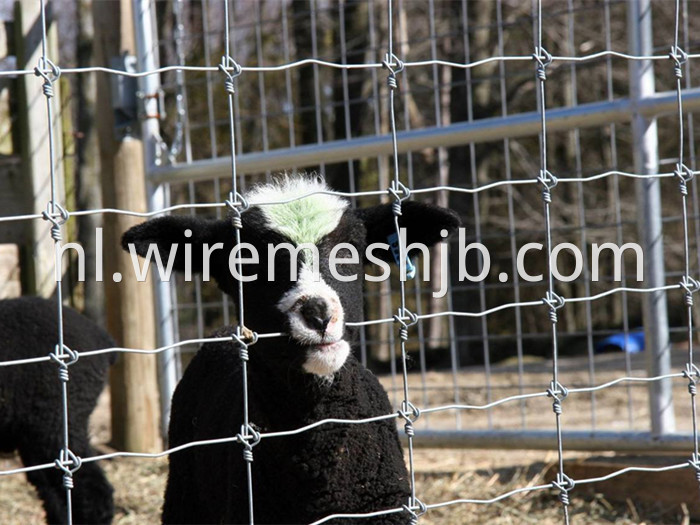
[641,109]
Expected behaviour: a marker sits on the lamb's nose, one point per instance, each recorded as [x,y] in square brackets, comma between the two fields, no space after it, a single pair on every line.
[316,315]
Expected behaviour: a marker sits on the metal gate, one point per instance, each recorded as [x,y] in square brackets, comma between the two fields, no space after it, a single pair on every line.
[499,106]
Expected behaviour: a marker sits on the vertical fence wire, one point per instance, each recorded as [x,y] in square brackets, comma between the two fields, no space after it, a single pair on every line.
[418,287]
[56,215]
[384,289]
[690,285]
[404,318]
[554,302]
[236,204]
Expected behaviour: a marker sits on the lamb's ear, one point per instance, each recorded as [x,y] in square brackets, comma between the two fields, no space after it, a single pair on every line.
[165,232]
[423,223]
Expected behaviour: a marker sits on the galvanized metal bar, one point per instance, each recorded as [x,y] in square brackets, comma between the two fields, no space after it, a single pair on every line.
[147,56]
[484,130]
[580,440]
[646,160]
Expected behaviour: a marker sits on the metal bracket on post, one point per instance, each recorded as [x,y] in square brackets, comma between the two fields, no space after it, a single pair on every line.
[124,99]
[144,106]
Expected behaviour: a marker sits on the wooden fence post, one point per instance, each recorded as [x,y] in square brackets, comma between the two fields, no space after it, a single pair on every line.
[38,248]
[130,304]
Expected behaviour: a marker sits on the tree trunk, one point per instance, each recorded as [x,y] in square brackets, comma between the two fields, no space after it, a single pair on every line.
[88,186]
[438,330]
[356,26]
[306,126]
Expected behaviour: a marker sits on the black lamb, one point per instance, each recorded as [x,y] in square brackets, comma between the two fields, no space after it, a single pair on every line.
[306,376]
[31,416]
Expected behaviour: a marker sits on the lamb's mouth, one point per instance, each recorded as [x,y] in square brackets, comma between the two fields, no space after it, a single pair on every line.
[330,346]
[325,359]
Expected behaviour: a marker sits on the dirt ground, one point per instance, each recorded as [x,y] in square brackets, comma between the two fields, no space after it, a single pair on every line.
[445,475]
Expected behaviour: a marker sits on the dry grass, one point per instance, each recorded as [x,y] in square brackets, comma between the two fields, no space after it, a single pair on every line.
[441,475]
[487,474]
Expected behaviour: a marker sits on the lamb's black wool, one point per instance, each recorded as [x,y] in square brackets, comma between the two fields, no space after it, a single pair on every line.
[330,469]
[31,416]
[295,381]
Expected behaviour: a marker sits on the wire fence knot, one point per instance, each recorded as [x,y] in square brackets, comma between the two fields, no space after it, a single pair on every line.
[249,437]
[543,59]
[68,463]
[401,317]
[55,73]
[679,58]
[694,462]
[244,338]
[237,204]
[564,484]
[558,392]
[412,507]
[64,359]
[57,215]
[400,193]
[692,373]
[690,286]
[555,302]
[395,66]
[410,413]
[548,182]
[685,175]
[229,63]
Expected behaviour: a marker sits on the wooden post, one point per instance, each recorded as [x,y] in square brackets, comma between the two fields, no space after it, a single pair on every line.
[38,250]
[130,305]
[9,271]
[6,139]
[11,186]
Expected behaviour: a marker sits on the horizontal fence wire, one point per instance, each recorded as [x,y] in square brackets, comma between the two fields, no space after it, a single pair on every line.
[203,340]
[334,65]
[400,415]
[354,194]
[563,484]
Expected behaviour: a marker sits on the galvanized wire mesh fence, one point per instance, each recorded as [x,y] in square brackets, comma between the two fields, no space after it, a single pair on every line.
[201,177]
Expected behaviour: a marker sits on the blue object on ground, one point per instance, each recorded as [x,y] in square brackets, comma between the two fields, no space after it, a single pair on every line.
[632,343]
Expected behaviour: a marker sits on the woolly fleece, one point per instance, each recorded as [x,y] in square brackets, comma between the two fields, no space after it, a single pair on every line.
[31,418]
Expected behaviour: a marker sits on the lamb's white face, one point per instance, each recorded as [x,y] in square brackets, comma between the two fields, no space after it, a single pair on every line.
[316,320]
[314,312]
